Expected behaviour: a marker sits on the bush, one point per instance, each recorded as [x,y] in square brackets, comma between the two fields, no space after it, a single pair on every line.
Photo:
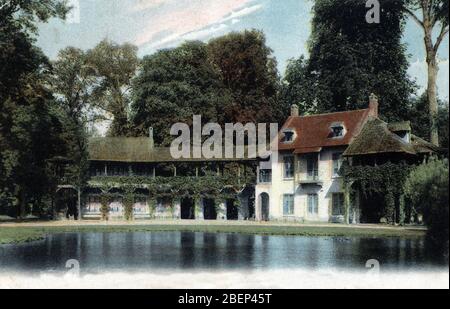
[426,189]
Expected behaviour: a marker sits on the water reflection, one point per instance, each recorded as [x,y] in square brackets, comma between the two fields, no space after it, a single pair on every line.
[98,252]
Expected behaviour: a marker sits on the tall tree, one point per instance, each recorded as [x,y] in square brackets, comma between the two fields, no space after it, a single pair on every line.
[114,67]
[172,86]
[297,87]
[351,58]
[29,130]
[72,81]
[433,17]
[249,71]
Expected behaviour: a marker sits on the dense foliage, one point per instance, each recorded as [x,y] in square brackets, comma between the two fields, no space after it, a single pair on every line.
[426,191]
[30,130]
[231,79]
[420,120]
[385,180]
[349,59]
[172,86]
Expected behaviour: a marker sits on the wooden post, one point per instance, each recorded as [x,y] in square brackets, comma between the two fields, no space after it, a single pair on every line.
[196,171]
[174,171]
[154,171]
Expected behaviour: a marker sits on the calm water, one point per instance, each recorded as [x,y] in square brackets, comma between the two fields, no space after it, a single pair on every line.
[100,252]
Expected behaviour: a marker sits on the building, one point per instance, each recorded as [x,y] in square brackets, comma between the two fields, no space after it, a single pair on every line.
[131,178]
[304,183]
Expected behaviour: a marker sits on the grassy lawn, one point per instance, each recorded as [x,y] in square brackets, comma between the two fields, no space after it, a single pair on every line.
[24,234]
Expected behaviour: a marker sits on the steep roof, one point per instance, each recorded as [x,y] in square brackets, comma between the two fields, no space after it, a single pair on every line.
[313,132]
[377,137]
[135,149]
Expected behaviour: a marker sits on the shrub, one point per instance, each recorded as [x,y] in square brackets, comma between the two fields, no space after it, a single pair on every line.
[426,189]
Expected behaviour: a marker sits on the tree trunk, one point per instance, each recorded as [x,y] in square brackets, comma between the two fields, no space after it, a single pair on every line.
[432,97]
[432,77]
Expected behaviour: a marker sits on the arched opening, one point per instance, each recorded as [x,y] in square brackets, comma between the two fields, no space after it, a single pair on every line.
[209,209]
[232,210]
[187,209]
[264,206]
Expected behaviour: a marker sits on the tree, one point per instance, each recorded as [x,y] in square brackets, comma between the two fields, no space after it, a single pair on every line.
[434,17]
[420,121]
[296,87]
[249,71]
[72,81]
[351,58]
[426,190]
[29,130]
[172,86]
[114,67]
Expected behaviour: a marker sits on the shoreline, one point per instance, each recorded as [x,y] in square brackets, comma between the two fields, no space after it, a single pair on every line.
[14,233]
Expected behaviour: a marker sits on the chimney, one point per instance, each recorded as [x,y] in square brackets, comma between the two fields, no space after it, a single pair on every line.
[294,111]
[152,140]
[373,105]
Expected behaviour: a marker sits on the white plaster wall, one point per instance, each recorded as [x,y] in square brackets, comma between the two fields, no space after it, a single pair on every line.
[281,186]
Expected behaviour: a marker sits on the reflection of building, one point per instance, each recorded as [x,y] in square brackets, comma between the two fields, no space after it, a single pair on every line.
[305,185]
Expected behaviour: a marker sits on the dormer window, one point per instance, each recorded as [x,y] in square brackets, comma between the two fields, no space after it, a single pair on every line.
[288,136]
[337,130]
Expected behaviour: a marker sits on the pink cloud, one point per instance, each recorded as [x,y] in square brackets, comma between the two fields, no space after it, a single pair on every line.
[183,17]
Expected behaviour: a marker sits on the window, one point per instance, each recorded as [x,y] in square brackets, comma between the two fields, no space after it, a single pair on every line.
[313,167]
[288,204]
[337,130]
[288,167]
[337,163]
[265,176]
[288,136]
[338,204]
[313,204]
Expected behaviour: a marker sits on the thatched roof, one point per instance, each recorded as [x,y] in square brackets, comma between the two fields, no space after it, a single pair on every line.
[135,149]
[378,137]
[403,126]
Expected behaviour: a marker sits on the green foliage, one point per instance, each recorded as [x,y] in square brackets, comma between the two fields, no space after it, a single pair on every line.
[386,180]
[419,115]
[30,130]
[426,190]
[174,85]
[113,67]
[128,202]
[249,72]
[350,58]
[173,187]
[27,13]
[104,209]
[231,79]
[296,87]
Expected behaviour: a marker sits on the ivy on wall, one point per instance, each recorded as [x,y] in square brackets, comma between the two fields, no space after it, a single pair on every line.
[211,187]
[385,180]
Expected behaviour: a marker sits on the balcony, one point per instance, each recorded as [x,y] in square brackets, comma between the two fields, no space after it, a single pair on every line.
[312,179]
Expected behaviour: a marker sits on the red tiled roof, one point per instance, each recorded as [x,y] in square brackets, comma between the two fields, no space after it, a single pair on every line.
[313,132]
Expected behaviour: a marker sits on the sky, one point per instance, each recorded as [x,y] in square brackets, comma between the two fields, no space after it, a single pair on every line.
[158,24]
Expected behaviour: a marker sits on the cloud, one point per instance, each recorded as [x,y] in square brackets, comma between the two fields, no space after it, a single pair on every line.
[189,20]
[418,71]
[141,5]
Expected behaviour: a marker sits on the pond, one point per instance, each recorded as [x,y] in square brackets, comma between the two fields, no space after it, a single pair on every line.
[179,251]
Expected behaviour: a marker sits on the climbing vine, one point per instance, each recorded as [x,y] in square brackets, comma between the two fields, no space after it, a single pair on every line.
[385,180]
